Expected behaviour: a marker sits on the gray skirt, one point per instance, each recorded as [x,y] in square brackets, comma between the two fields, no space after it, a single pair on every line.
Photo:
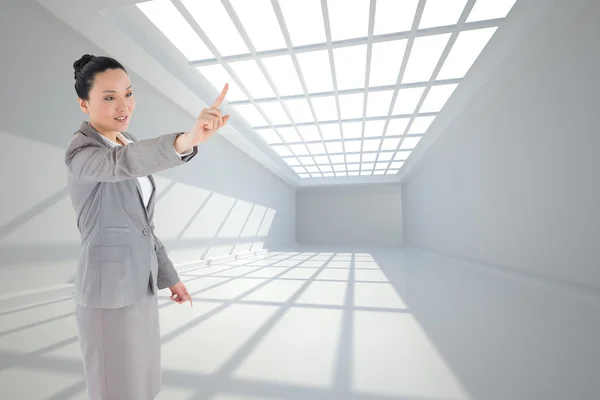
[121,350]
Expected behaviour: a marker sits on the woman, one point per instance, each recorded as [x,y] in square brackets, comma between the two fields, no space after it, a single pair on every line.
[122,263]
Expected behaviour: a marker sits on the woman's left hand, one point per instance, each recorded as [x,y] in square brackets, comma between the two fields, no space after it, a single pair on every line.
[179,293]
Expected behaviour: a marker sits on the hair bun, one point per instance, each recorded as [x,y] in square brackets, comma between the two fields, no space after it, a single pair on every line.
[79,64]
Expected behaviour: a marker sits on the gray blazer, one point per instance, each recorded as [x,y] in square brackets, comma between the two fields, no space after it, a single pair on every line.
[120,252]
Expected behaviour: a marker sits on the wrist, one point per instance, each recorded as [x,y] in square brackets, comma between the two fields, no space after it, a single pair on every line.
[183,143]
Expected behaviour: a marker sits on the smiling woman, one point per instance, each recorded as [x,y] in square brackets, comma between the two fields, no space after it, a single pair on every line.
[123,263]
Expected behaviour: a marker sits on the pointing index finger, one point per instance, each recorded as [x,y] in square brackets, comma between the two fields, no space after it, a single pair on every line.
[221,96]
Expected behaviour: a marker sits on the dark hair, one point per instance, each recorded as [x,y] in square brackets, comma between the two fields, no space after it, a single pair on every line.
[86,69]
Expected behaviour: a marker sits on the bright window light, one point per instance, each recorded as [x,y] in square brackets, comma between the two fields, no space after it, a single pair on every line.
[250,114]
[164,15]
[354,173]
[441,13]
[466,50]
[252,77]
[369,156]
[420,125]
[323,159]
[306,160]
[397,126]
[390,144]
[367,166]
[381,165]
[374,128]
[282,72]
[437,97]
[366,173]
[353,158]
[410,142]
[352,146]
[351,105]
[423,57]
[289,134]
[316,70]
[394,16]
[396,165]
[291,161]
[299,169]
[274,112]
[312,168]
[325,108]
[299,149]
[309,133]
[213,19]
[341,173]
[282,150]
[386,58]
[337,158]
[490,9]
[348,19]
[371,144]
[316,148]
[330,131]
[350,66]
[300,110]
[352,130]
[303,176]
[353,167]
[264,32]
[391,172]
[217,76]
[407,100]
[386,155]
[378,103]
[296,13]
[326,168]
[402,155]
[269,136]
[339,168]
[378,172]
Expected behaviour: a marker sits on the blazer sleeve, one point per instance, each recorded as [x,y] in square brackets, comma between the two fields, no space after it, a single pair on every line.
[167,274]
[90,161]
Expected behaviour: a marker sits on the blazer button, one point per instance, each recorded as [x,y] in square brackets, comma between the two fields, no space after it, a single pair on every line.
[145,232]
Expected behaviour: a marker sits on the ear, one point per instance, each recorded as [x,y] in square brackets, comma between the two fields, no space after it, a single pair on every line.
[83,104]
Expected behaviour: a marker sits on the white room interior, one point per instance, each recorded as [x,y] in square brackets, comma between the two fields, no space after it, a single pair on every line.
[404,204]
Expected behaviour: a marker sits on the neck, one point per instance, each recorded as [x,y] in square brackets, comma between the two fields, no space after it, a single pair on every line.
[110,135]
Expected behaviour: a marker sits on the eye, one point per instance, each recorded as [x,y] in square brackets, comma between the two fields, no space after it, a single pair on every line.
[109,98]
[129,94]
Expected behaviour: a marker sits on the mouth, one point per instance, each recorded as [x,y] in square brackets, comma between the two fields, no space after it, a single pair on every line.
[122,119]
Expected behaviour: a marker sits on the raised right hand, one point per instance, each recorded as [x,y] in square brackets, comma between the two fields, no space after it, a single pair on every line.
[208,122]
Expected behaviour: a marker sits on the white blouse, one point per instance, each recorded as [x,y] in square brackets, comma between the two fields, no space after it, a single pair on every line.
[144,181]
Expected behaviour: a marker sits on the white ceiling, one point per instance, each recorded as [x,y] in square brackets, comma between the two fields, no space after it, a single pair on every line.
[322,92]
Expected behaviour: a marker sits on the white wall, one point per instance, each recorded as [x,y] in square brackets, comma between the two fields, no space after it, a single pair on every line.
[365,215]
[220,203]
[517,186]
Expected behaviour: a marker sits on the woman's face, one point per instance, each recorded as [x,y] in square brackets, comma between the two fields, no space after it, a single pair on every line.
[111,102]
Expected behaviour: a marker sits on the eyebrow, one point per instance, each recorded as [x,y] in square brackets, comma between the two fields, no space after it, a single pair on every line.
[112,91]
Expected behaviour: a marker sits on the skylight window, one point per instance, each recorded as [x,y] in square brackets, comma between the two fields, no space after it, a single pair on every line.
[328,102]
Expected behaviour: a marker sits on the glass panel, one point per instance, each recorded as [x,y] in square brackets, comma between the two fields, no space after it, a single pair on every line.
[378,103]
[466,50]
[437,97]
[264,32]
[350,66]
[423,58]
[407,100]
[348,19]
[296,13]
[213,19]
[316,70]
[394,16]
[251,76]
[441,13]
[283,73]
[490,9]
[386,58]
[217,76]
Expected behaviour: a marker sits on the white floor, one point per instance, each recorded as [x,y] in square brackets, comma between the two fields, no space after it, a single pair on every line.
[325,325]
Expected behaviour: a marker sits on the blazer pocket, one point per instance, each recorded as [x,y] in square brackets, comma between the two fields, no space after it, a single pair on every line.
[123,229]
[111,253]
